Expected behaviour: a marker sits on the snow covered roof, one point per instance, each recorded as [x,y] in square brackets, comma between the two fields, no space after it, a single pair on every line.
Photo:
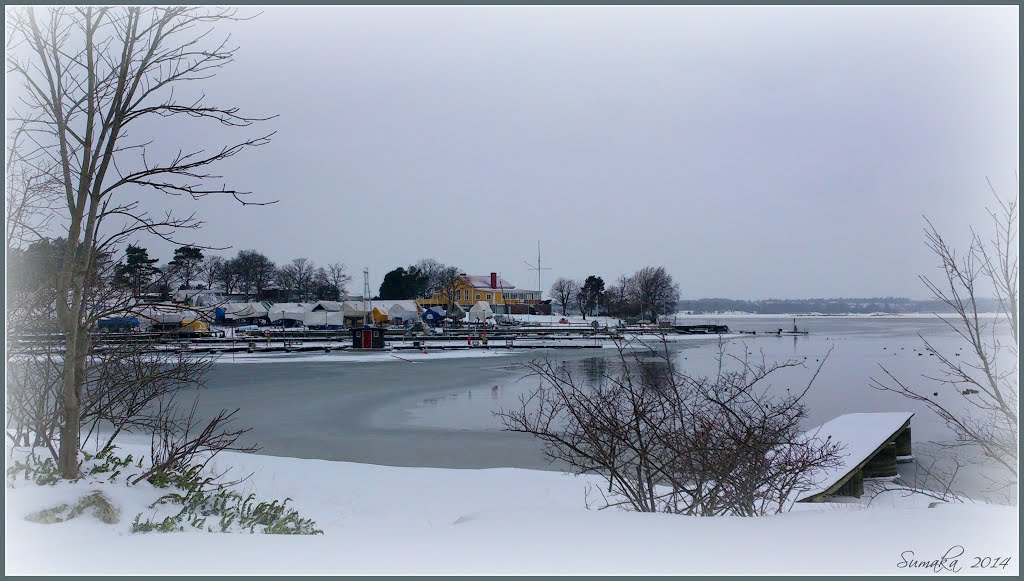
[484,282]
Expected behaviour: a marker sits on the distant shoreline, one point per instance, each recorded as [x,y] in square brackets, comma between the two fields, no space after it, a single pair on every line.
[741,315]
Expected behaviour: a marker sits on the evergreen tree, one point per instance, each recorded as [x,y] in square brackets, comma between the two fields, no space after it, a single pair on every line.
[186,264]
[593,293]
[136,271]
[400,284]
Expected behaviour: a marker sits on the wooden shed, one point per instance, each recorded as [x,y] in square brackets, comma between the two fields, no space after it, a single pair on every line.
[367,337]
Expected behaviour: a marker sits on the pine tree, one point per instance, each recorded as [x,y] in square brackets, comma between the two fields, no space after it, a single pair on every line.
[136,271]
[186,264]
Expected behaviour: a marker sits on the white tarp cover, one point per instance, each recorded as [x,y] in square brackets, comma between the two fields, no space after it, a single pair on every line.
[333,306]
[406,310]
[322,318]
[480,312]
[290,311]
[200,297]
[355,308]
[165,314]
[244,310]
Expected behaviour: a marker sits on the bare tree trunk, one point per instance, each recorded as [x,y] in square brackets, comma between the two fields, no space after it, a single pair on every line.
[86,73]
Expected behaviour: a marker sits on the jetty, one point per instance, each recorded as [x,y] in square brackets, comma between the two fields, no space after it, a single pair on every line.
[871,446]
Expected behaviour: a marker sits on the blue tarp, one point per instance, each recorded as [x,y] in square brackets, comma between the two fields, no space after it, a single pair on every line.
[118,323]
[433,315]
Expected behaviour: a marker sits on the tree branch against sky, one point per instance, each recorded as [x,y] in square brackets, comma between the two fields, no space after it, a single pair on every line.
[93,80]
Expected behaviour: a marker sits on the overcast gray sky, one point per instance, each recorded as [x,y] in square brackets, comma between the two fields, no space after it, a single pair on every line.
[754,152]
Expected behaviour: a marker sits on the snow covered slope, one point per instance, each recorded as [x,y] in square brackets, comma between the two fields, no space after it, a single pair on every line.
[423,520]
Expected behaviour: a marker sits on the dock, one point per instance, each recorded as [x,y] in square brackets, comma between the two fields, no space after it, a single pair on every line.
[871,446]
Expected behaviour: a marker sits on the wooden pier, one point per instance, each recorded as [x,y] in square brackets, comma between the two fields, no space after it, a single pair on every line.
[872,444]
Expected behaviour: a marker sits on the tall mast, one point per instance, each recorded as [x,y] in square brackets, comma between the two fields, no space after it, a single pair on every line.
[538,268]
[367,303]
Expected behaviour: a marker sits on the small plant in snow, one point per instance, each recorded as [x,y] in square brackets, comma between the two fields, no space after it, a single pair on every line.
[208,506]
[33,469]
[204,503]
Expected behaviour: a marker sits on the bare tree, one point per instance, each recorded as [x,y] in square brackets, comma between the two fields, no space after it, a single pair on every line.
[339,279]
[181,440]
[429,270]
[34,384]
[666,441]
[617,298]
[564,291]
[582,299]
[88,75]
[975,396]
[654,291]
[129,381]
[210,271]
[446,280]
[437,278]
[297,276]
[32,190]
[254,272]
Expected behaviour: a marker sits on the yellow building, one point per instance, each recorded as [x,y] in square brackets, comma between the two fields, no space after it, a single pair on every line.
[493,290]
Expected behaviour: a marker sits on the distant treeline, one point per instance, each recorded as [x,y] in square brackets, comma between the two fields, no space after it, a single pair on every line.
[828,306]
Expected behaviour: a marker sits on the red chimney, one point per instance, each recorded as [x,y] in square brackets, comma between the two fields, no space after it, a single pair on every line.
[494,280]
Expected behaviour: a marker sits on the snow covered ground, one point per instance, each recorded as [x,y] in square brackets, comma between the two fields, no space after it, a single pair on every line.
[379,519]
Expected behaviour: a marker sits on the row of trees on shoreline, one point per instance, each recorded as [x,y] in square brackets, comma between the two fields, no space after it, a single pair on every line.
[649,292]
[249,273]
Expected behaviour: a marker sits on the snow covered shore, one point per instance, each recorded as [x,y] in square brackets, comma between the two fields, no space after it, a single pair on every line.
[409,355]
[379,519]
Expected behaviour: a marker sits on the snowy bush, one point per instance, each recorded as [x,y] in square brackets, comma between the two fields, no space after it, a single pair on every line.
[670,442]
